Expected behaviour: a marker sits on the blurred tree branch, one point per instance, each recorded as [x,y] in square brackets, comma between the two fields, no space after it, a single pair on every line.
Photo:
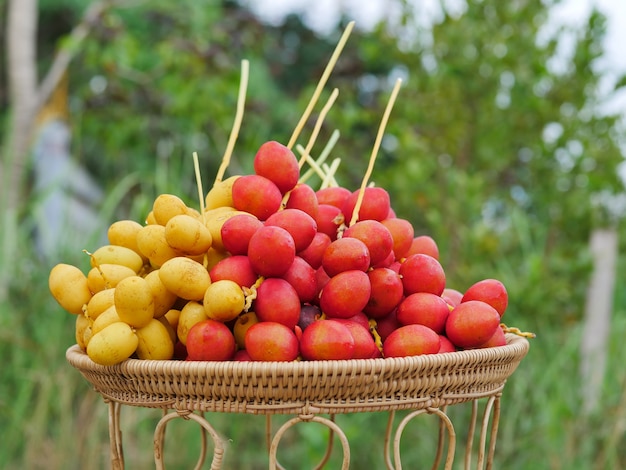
[27,97]
[65,55]
[21,34]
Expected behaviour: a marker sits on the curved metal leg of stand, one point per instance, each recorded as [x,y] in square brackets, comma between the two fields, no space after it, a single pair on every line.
[329,446]
[485,452]
[387,454]
[493,403]
[115,436]
[203,444]
[470,436]
[445,421]
[218,443]
[329,423]
[440,438]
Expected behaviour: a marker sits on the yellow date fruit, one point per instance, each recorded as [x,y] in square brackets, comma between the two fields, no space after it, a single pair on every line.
[214,256]
[105,319]
[170,329]
[153,245]
[185,277]
[99,302]
[112,345]
[154,342]
[82,331]
[242,324]
[172,317]
[192,313]
[221,194]
[224,300]
[107,276]
[164,299]
[188,235]
[166,206]
[150,220]
[70,287]
[124,233]
[115,254]
[134,302]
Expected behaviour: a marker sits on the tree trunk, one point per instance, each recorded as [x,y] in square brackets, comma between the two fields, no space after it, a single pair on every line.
[22,84]
[26,98]
[597,321]
[21,37]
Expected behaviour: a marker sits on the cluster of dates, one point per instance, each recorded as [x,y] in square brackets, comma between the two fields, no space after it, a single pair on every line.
[270,269]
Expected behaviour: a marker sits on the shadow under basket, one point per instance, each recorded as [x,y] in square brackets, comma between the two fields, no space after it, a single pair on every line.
[307,389]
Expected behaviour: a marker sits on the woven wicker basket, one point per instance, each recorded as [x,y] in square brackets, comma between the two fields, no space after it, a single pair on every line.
[306,387]
[424,384]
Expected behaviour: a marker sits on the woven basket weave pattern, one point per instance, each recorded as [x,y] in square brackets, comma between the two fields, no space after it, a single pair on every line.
[306,386]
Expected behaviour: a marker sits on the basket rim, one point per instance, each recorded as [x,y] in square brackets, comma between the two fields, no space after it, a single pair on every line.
[330,386]
[516,349]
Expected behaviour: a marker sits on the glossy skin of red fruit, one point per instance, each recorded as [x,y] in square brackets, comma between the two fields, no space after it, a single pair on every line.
[497,339]
[237,231]
[376,237]
[235,268]
[271,251]
[490,291]
[326,340]
[387,292]
[425,245]
[277,301]
[375,204]
[333,195]
[402,233]
[257,195]
[424,308]
[321,280]
[241,355]
[364,345]
[271,341]
[345,294]
[387,262]
[361,319]
[329,219]
[303,197]
[452,296]
[446,345]
[345,254]
[299,224]
[210,340]
[422,273]
[472,323]
[277,163]
[302,278]
[314,253]
[411,340]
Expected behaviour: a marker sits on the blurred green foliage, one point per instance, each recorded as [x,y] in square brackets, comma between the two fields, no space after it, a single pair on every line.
[493,148]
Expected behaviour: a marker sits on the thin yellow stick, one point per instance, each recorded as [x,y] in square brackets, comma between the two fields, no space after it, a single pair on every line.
[321,83]
[196,167]
[241,98]
[329,179]
[318,125]
[321,159]
[315,167]
[379,138]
